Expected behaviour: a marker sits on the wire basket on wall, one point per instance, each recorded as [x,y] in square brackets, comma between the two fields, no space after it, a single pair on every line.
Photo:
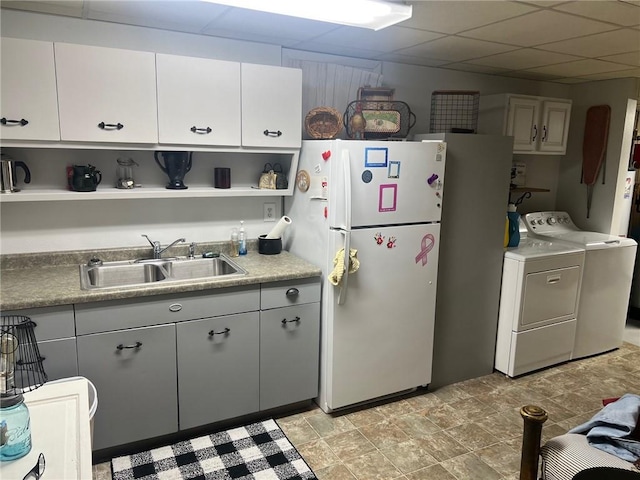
[454,111]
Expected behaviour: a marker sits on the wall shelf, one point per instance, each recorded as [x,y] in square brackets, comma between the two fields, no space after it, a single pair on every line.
[526,193]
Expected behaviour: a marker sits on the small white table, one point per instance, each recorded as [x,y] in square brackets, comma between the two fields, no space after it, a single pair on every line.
[59,415]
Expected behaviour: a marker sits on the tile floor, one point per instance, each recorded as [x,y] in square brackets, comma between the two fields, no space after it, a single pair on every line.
[469,430]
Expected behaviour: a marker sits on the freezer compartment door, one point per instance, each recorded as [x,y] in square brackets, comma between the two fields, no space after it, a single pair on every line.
[386,183]
[380,340]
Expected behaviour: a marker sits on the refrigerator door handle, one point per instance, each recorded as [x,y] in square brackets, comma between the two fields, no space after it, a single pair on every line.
[342,295]
[346,170]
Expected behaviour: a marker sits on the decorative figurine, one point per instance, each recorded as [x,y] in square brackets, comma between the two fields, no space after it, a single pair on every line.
[357,124]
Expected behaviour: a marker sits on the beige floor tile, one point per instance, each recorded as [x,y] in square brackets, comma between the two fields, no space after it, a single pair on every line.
[503,457]
[100,471]
[416,424]
[475,387]
[384,434]
[434,472]
[365,417]
[442,446]
[578,403]
[443,415]
[349,444]
[472,436]
[450,393]
[326,425]
[298,431]
[318,455]
[373,466]
[410,456]
[470,467]
[471,408]
[424,400]
[394,409]
[334,472]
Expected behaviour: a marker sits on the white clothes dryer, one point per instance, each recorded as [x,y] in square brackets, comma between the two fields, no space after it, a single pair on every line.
[538,304]
[606,280]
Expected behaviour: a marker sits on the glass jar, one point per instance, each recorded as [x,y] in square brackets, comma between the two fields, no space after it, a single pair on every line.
[15,429]
[125,172]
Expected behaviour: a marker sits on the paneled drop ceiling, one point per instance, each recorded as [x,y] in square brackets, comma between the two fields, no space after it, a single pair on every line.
[559,41]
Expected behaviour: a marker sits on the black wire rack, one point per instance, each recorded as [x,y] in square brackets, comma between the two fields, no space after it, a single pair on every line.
[454,111]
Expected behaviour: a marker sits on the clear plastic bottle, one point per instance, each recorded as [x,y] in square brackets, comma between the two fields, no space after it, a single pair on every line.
[242,240]
[234,242]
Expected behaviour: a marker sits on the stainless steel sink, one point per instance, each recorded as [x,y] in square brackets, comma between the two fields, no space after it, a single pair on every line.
[136,273]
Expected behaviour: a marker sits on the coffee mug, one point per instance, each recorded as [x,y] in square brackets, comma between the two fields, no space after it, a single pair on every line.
[222,177]
[83,178]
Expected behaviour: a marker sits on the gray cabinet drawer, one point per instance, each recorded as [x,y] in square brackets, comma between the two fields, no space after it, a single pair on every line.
[51,322]
[137,387]
[140,312]
[289,354]
[218,370]
[60,358]
[291,292]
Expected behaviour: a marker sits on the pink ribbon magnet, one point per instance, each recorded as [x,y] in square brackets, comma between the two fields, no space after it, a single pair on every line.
[427,244]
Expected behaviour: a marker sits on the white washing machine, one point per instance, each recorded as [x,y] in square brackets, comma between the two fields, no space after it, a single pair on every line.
[606,280]
[538,304]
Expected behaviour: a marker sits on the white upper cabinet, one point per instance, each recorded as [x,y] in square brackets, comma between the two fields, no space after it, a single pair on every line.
[198,101]
[271,106]
[29,102]
[106,95]
[539,125]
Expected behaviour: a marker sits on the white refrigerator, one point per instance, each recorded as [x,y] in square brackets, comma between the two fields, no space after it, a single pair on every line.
[383,200]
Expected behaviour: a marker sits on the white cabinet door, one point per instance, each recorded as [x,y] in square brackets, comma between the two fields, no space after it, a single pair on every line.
[522,123]
[555,126]
[106,94]
[29,100]
[198,101]
[271,106]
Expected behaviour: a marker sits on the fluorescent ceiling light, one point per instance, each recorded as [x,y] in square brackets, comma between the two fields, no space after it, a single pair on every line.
[373,14]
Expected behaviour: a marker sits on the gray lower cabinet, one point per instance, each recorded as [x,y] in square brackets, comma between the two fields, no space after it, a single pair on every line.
[134,372]
[55,332]
[289,354]
[218,368]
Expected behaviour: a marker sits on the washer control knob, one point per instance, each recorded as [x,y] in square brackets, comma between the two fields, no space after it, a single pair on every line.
[551,221]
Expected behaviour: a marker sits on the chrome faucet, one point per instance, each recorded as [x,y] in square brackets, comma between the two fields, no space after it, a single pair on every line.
[157,249]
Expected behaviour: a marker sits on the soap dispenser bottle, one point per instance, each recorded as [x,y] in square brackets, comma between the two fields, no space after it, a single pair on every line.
[234,242]
[242,240]
[514,226]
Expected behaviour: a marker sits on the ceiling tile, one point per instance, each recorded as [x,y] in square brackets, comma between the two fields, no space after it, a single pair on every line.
[266,27]
[398,58]
[598,45]
[630,58]
[620,13]
[633,72]
[70,8]
[529,75]
[570,80]
[544,3]
[386,40]
[579,68]
[468,67]
[172,15]
[523,58]
[453,17]
[537,28]
[345,50]
[456,49]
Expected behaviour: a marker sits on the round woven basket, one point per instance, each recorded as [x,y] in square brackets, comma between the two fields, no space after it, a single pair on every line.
[323,123]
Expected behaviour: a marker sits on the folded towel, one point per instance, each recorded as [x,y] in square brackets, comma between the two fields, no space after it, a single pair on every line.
[335,277]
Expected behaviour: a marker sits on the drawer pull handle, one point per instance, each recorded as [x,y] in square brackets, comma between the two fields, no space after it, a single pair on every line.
[554,279]
[175,307]
[223,332]
[270,133]
[135,345]
[110,126]
[285,321]
[292,292]
[195,129]
[32,362]
[22,122]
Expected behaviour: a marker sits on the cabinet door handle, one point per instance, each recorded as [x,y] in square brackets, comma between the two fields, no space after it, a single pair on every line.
[175,307]
[223,332]
[292,292]
[270,133]
[544,133]
[135,345]
[110,126]
[535,132]
[22,122]
[285,321]
[194,129]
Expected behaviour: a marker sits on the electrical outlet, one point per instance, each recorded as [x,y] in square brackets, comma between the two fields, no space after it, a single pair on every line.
[269,212]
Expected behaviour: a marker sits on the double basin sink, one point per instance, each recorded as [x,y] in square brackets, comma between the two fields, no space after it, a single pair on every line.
[132,273]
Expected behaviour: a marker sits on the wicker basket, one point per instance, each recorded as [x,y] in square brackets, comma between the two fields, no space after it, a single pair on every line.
[323,123]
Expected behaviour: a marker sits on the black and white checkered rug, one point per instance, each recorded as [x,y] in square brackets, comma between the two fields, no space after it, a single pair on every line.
[259,451]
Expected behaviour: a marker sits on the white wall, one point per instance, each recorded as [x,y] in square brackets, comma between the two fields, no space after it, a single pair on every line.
[620,95]
[96,224]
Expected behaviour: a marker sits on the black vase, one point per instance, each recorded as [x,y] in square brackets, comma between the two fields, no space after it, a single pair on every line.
[176,165]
